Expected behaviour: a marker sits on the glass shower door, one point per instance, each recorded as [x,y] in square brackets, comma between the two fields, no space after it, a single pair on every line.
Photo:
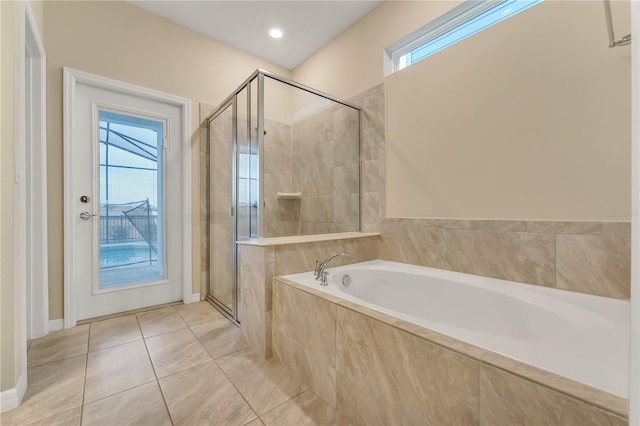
[222,224]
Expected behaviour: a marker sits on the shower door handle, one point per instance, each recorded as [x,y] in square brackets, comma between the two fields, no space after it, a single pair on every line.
[231,211]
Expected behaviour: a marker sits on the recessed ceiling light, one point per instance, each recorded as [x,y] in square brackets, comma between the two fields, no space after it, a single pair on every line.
[276,33]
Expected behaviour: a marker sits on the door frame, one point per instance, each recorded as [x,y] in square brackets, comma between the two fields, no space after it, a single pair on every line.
[32,177]
[634,330]
[72,78]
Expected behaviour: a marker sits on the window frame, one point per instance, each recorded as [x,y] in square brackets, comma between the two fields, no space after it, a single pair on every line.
[449,21]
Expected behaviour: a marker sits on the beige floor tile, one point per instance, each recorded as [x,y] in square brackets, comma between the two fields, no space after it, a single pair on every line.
[112,332]
[59,345]
[54,388]
[175,352]
[160,321]
[139,406]
[264,384]
[117,369]
[197,313]
[219,337]
[68,418]
[202,395]
[305,409]
[256,422]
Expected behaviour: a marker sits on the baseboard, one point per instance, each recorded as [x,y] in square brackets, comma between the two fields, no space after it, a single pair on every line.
[12,398]
[56,324]
[195,297]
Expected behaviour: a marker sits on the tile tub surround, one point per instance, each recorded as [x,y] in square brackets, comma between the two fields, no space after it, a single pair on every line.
[587,257]
[287,212]
[259,262]
[376,369]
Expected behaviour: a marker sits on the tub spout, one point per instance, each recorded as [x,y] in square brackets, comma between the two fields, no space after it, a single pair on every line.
[320,273]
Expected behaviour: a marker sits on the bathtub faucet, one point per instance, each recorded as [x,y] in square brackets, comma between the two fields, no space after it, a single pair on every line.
[320,273]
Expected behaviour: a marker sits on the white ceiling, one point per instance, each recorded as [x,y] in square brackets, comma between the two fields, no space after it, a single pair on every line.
[307,25]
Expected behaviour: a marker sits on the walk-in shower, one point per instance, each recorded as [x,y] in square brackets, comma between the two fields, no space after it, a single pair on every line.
[283,160]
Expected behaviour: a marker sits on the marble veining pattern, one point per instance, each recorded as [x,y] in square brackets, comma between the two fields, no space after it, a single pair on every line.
[116,390]
[117,369]
[421,382]
[202,395]
[112,332]
[54,387]
[265,384]
[59,345]
[509,399]
[175,351]
[372,386]
[588,257]
[598,265]
[139,405]
[259,264]
[308,325]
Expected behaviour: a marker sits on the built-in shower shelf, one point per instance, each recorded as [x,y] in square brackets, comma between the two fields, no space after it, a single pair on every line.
[289,195]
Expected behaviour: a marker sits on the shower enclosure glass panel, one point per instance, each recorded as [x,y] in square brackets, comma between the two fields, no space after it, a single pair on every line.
[221,223]
[284,160]
[311,163]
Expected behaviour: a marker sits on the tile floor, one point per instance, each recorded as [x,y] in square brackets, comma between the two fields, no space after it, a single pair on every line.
[182,365]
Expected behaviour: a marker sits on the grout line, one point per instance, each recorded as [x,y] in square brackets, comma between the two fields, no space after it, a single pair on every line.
[86,370]
[479,409]
[243,397]
[126,313]
[293,397]
[235,387]
[258,419]
[120,392]
[155,373]
[59,359]
[115,346]
[232,353]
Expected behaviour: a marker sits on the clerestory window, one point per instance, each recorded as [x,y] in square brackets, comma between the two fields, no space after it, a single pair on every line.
[470,17]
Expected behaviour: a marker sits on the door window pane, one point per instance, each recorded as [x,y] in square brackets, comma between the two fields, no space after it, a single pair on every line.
[131,202]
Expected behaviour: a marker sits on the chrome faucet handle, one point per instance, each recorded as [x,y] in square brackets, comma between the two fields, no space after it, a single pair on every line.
[323,278]
[320,273]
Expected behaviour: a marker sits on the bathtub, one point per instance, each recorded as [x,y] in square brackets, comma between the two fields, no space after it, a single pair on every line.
[578,336]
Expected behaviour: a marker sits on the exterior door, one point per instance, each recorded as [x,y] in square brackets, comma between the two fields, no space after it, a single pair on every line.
[125,192]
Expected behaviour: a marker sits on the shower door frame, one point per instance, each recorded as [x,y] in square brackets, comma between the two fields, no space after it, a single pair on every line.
[232,100]
[232,313]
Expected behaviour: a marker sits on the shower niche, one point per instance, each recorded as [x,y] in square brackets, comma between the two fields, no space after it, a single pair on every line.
[283,161]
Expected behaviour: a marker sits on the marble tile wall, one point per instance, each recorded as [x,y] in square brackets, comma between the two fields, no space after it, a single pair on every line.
[372,153]
[375,369]
[281,217]
[255,274]
[306,342]
[587,257]
[260,264]
[326,170]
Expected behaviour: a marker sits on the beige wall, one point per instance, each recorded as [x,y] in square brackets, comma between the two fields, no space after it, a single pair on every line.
[121,41]
[38,12]
[529,119]
[11,333]
[352,62]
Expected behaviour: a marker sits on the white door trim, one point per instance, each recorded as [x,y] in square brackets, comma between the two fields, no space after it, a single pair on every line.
[34,183]
[634,336]
[72,78]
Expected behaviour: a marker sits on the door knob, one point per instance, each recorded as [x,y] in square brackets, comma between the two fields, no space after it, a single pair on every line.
[86,215]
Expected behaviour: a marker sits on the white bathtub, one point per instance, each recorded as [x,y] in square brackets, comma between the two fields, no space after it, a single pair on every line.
[579,336]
